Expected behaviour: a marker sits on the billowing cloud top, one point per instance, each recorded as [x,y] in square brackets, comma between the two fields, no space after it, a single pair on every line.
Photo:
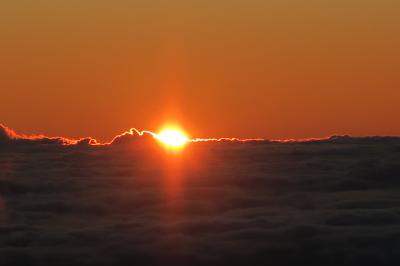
[9,136]
[133,136]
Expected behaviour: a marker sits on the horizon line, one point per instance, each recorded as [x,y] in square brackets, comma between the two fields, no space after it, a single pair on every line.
[11,135]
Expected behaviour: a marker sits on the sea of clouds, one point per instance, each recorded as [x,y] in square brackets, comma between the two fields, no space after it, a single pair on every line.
[333,201]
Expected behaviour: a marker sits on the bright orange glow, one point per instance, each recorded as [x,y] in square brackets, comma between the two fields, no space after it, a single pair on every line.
[172,138]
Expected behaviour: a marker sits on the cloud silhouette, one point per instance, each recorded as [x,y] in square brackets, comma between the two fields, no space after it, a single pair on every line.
[7,134]
[133,135]
[316,202]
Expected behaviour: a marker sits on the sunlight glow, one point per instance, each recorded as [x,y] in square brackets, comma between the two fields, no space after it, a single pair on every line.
[172,138]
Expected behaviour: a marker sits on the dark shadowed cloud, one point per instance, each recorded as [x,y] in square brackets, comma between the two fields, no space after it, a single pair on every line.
[317,202]
[9,136]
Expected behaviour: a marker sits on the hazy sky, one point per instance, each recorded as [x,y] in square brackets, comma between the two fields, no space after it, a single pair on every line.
[274,69]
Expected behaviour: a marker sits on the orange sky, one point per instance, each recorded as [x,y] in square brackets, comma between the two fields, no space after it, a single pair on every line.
[273,69]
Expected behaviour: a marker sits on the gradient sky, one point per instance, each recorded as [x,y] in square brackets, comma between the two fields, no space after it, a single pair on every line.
[273,69]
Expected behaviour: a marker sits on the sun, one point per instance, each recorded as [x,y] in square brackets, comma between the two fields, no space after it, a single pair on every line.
[173,138]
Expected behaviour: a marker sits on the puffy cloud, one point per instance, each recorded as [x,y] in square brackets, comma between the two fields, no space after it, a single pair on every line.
[133,135]
[8,137]
[7,134]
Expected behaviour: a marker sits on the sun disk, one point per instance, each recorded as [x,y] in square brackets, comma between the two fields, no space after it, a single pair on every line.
[172,138]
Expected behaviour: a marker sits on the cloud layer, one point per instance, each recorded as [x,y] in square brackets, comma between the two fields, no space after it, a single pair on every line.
[318,202]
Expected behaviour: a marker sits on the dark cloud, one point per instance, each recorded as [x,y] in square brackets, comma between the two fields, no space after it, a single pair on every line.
[132,137]
[9,137]
[6,134]
[315,202]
